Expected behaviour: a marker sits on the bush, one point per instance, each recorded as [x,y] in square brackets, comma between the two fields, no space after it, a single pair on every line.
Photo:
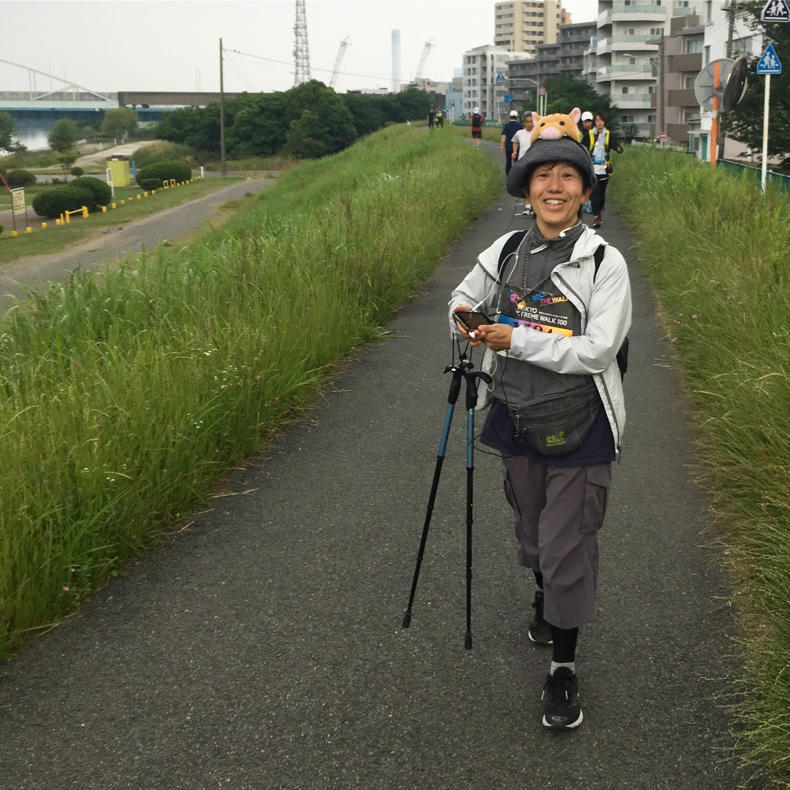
[163,152]
[55,201]
[151,177]
[1,229]
[102,194]
[77,171]
[20,178]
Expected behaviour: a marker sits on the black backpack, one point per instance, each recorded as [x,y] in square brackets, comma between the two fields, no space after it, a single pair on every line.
[511,245]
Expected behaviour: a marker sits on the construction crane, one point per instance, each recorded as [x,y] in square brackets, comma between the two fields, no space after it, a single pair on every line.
[341,53]
[423,59]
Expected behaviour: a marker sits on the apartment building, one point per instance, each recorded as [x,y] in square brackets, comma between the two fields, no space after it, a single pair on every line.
[679,63]
[484,81]
[522,25]
[564,58]
[628,38]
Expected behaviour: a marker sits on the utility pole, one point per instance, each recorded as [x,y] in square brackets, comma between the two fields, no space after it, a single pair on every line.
[221,112]
[732,11]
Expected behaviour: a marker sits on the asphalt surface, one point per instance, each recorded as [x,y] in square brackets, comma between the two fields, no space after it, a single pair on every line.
[263,648]
[115,242]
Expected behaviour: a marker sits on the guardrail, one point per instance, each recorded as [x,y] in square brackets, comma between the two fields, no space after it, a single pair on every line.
[771,176]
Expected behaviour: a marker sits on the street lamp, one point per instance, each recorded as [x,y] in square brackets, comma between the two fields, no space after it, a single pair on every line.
[513,81]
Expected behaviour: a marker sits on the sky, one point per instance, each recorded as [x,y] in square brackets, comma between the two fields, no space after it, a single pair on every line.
[120,45]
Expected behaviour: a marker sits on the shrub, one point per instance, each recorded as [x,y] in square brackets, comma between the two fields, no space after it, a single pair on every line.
[77,171]
[55,201]
[102,194]
[163,152]
[152,176]
[1,229]
[20,178]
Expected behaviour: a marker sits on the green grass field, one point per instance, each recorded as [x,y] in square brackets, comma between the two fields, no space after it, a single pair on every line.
[722,277]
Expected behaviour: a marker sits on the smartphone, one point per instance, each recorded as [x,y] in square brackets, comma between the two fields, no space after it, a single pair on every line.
[471,320]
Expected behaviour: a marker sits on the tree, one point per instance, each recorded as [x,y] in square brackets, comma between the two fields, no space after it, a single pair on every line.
[257,124]
[63,135]
[565,93]
[335,126]
[7,131]
[745,122]
[119,123]
[197,127]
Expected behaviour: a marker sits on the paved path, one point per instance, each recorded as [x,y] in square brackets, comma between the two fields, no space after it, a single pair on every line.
[262,648]
[118,241]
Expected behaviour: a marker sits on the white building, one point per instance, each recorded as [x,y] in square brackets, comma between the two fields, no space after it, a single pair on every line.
[484,81]
[629,33]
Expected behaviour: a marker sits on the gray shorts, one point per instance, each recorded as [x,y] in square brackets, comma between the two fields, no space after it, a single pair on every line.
[558,512]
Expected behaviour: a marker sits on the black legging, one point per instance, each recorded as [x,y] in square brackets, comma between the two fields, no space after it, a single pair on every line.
[598,197]
[564,639]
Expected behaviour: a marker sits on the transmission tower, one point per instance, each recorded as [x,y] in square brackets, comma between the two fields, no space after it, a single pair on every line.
[301,48]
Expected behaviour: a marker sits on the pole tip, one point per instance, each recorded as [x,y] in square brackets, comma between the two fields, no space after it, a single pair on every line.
[406,619]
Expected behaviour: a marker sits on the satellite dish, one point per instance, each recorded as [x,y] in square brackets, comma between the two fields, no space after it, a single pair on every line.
[735,88]
[731,84]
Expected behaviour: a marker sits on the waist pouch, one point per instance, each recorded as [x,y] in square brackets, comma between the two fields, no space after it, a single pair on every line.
[557,424]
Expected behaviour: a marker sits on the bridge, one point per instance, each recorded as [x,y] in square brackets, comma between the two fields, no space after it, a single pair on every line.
[39,109]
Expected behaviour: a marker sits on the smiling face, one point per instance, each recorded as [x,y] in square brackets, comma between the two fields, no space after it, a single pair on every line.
[556,191]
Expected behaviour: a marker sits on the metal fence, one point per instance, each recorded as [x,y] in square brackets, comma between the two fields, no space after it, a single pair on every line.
[771,176]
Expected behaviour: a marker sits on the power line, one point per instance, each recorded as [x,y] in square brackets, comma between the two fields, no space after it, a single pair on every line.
[312,68]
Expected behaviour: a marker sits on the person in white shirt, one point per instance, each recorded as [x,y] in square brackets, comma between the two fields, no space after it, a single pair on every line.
[521,145]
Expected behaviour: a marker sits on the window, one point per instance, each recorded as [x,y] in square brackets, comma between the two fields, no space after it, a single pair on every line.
[693,46]
[624,89]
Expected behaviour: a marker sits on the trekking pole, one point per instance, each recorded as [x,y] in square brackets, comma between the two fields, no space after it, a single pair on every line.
[458,370]
[471,404]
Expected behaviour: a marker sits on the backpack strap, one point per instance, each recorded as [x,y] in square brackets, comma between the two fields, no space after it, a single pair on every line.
[508,248]
[622,352]
[598,258]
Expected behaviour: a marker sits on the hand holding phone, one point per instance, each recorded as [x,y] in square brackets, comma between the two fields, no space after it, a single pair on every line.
[471,319]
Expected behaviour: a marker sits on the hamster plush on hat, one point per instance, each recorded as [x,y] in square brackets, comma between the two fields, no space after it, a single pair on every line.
[556,125]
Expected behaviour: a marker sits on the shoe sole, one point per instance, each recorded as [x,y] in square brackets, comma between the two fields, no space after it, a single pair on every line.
[570,726]
[537,642]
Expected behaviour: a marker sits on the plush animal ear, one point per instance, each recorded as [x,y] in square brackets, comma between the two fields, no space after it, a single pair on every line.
[535,118]
[575,114]
[536,127]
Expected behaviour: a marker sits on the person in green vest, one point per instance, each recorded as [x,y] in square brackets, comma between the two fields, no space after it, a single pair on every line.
[600,141]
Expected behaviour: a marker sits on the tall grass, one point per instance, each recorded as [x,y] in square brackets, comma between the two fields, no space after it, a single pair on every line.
[126,394]
[718,254]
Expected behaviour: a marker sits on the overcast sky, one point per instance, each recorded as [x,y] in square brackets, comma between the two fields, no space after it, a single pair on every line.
[125,46]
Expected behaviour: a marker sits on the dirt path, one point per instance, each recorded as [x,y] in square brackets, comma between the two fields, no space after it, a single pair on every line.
[118,241]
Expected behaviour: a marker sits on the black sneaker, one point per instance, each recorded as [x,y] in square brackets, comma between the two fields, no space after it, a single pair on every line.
[539,630]
[561,709]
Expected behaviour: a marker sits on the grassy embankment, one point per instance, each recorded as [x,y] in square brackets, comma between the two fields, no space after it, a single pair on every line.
[126,394]
[716,251]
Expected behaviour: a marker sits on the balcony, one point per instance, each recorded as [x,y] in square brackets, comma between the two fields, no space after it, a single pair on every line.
[681,63]
[628,71]
[646,12]
[684,97]
[633,101]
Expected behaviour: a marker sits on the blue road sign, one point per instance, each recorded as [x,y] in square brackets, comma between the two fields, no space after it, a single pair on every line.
[500,77]
[775,11]
[769,63]
[508,99]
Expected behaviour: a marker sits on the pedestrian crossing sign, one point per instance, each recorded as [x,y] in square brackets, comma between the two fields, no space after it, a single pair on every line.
[769,63]
[775,11]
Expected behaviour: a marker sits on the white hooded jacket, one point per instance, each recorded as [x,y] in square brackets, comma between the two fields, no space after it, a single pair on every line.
[604,301]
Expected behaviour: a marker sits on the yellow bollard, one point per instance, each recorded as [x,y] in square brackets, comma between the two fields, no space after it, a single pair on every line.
[14,234]
[28,229]
[268,174]
[239,172]
[113,205]
[43,226]
[139,196]
[153,191]
[84,212]
[68,219]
